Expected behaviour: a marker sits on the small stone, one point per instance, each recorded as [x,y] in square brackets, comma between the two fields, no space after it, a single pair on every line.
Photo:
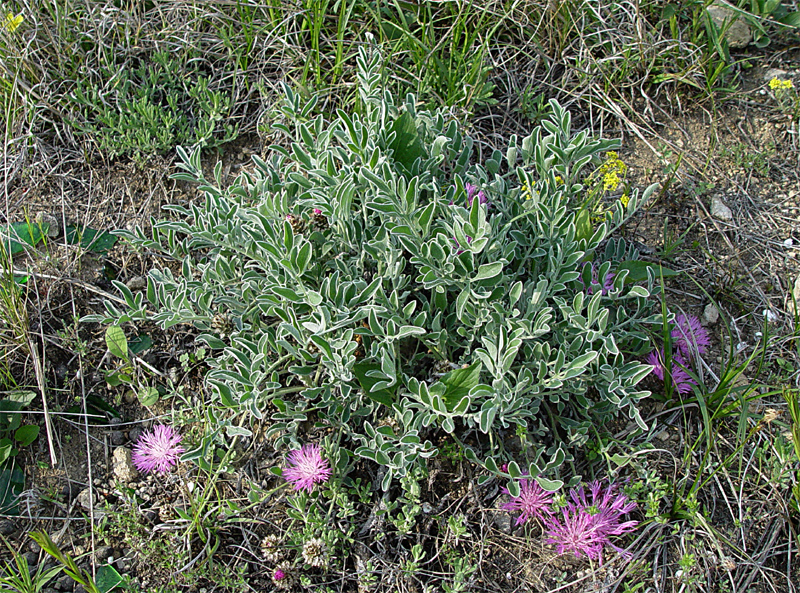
[788,242]
[137,283]
[86,500]
[32,558]
[710,314]
[117,437]
[123,467]
[103,552]
[770,315]
[736,32]
[134,433]
[771,73]
[51,225]
[65,583]
[502,521]
[7,527]
[663,435]
[720,211]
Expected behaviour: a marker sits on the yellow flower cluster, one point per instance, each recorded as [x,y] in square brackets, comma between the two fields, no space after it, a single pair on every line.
[526,191]
[11,22]
[613,171]
[776,84]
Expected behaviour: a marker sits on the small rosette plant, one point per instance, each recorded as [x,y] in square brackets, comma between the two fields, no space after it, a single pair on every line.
[370,252]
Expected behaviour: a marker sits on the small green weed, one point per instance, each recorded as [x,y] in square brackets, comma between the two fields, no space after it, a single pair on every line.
[22,578]
[150,109]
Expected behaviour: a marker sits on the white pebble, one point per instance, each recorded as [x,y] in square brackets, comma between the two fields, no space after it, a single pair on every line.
[789,242]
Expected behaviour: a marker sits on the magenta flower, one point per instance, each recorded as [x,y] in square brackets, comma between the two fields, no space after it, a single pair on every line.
[306,468]
[533,501]
[472,191]
[157,450]
[586,526]
[690,338]
[279,575]
[317,211]
[680,378]
[608,281]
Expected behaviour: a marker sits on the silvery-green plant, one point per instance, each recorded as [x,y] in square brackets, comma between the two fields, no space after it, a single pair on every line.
[352,280]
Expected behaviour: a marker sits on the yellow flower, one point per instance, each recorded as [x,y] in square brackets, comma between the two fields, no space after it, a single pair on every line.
[624,199]
[559,180]
[526,191]
[11,22]
[611,181]
[776,84]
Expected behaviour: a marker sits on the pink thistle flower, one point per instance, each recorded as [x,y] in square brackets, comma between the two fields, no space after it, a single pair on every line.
[306,468]
[689,336]
[279,575]
[533,501]
[157,450]
[317,211]
[575,533]
[588,525]
[680,378]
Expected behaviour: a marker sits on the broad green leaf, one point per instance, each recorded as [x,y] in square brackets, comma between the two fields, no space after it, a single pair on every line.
[637,270]
[25,435]
[407,145]
[139,344]
[108,579]
[458,384]
[117,342]
[383,396]
[89,238]
[148,396]
[21,232]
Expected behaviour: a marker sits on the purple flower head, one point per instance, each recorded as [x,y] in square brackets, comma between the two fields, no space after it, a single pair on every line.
[587,523]
[690,338]
[533,501]
[575,532]
[680,378]
[278,575]
[317,211]
[608,281]
[472,191]
[157,450]
[306,468]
